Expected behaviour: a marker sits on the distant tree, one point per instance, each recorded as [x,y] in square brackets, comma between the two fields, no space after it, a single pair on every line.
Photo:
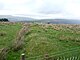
[4,20]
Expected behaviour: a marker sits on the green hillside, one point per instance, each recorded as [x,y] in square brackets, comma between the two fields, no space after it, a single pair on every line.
[37,40]
[54,40]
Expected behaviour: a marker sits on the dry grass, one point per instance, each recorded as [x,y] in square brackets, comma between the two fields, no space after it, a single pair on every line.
[19,40]
[3,53]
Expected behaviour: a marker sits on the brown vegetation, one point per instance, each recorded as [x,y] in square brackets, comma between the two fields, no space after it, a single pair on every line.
[19,41]
[3,53]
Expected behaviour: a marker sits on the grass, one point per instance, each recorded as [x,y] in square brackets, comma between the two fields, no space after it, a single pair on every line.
[9,32]
[53,39]
[47,40]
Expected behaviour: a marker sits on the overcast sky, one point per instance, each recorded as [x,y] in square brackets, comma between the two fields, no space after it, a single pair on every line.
[41,8]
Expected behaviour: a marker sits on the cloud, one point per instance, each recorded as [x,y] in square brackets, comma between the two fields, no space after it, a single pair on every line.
[41,16]
[52,7]
[72,9]
[1,6]
[41,8]
[21,6]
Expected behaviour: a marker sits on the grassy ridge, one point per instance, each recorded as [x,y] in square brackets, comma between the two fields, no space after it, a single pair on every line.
[52,39]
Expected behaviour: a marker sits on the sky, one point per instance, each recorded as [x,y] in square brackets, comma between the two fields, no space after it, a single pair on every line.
[41,9]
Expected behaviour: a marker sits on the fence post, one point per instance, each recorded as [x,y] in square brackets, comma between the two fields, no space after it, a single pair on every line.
[22,56]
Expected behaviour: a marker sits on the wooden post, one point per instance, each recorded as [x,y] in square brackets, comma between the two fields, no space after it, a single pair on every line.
[22,56]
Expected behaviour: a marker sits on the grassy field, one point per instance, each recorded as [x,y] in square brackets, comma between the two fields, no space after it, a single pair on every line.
[8,32]
[55,40]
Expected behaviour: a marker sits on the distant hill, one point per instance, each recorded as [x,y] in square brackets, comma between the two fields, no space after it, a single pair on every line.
[59,21]
[16,18]
[51,21]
